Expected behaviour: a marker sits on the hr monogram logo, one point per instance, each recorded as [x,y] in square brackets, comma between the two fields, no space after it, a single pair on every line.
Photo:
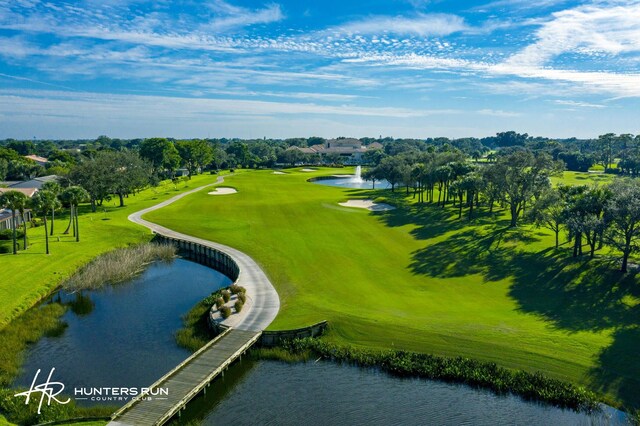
[48,389]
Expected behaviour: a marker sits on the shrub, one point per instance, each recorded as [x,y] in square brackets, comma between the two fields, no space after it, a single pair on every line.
[225,311]
[226,295]
[242,297]
[236,289]
[238,305]
[219,302]
[7,234]
[212,298]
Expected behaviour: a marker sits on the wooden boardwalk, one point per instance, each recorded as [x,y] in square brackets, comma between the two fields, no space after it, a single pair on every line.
[187,380]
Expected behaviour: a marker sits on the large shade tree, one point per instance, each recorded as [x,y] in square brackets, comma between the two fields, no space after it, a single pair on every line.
[161,153]
[521,175]
[111,172]
[622,214]
[196,154]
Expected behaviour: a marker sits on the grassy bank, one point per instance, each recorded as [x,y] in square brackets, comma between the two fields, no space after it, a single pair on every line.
[418,279]
[31,275]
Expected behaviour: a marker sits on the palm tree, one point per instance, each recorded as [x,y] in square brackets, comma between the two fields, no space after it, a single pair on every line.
[14,200]
[43,202]
[21,209]
[56,189]
[73,196]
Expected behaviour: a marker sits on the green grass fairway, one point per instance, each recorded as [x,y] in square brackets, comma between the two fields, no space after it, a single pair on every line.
[31,275]
[420,279]
[579,178]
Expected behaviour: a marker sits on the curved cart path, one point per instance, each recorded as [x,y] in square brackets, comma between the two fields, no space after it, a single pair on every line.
[265,302]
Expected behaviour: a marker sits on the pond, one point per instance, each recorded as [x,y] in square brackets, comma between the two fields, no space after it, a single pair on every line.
[123,335]
[347,182]
[325,393]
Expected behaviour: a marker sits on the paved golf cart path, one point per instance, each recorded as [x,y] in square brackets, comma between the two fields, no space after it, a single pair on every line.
[265,302]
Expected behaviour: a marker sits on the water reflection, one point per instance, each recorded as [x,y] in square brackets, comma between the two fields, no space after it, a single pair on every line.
[324,393]
[122,336]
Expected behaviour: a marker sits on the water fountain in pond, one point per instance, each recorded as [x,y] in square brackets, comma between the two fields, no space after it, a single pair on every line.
[358,176]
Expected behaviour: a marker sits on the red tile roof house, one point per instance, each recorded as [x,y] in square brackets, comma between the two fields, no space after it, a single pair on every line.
[39,160]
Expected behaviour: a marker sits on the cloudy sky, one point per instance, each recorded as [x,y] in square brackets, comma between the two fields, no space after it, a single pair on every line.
[241,68]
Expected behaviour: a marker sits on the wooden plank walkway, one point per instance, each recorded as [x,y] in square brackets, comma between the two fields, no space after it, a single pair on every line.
[187,380]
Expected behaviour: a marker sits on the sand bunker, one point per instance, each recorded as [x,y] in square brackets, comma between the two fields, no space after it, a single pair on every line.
[368,204]
[223,191]
[308,170]
[279,173]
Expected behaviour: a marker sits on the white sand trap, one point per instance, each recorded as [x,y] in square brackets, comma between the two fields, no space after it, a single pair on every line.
[368,204]
[279,173]
[308,170]
[223,191]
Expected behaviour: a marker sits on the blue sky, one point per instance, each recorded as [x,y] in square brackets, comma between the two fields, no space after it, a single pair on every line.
[401,68]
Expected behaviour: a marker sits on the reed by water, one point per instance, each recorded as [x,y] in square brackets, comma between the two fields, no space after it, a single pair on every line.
[119,266]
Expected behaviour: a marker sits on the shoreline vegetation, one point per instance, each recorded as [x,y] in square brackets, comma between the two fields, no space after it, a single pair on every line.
[119,265]
[474,373]
[196,332]
[111,268]
[14,339]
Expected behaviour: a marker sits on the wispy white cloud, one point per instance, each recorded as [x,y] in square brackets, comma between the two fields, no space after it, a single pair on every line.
[81,104]
[584,30]
[422,25]
[578,104]
[499,113]
[230,16]
[520,4]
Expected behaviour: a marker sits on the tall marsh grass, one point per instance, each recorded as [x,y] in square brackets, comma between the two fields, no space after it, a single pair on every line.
[119,265]
[26,329]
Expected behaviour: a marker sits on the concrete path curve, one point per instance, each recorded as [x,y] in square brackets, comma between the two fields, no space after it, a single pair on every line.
[265,302]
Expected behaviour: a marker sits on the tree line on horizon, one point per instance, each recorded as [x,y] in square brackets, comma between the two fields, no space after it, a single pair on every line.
[610,152]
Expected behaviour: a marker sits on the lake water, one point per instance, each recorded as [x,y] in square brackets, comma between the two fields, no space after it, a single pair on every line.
[325,393]
[345,182]
[123,335]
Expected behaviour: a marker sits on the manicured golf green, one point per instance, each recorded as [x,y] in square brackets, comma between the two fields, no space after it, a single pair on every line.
[418,278]
[31,275]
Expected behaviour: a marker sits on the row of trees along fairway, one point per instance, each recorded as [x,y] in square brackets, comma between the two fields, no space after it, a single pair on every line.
[519,181]
[103,175]
[44,203]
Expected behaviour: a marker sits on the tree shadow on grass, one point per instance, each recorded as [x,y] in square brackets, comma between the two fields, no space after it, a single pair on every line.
[618,369]
[429,220]
[573,294]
